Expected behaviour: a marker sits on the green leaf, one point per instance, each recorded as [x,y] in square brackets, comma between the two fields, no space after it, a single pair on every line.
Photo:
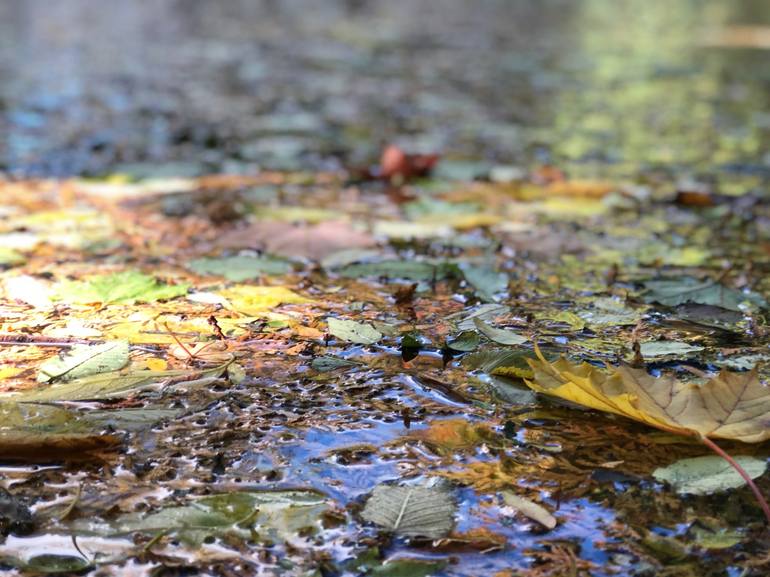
[689,290]
[710,474]
[326,364]
[412,511]
[113,384]
[85,360]
[51,564]
[399,269]
[465,342]
[486,281]
[430,207]
[126,287]
[500,336]
[353,332]
[465,319]
[33,433]
[529,509]
[284,513]
[658,349]
[240,268]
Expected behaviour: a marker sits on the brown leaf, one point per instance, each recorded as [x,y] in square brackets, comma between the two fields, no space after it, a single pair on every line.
[733,406]
[313,242]
[394,162]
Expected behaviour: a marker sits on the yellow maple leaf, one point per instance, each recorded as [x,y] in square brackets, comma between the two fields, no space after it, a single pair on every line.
[252,300]
[733,406]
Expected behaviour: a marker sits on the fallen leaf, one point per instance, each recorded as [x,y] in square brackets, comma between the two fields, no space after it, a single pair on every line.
[353,332]
[689,290]
[411,511]
[314,242]
[84,360]
[394,162]
[529,509]
[709,474]
[253,300]
[501,336]
[239,268]
[729,406]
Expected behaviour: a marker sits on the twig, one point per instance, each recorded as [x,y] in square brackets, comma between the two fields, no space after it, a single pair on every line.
[742,472]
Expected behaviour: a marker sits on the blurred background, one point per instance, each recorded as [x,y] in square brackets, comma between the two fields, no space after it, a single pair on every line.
[184,87]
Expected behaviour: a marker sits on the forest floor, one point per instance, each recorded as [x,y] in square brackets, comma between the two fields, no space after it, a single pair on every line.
[233,341]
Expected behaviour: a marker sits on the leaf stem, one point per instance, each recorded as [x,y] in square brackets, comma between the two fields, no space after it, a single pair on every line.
[741,471]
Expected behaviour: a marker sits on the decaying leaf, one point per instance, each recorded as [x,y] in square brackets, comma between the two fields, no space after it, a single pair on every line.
[240,268]
[353,332]
[689,290]
[281,513]
[114,384]
[732,406]
[529,509]
[411,511]
[36,433]
[84,360]
[501,336]
[709,474]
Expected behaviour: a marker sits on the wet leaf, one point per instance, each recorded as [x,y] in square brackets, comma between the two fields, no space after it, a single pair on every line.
[326,364]
[709,474]
[253,300]
[240,268]
[689,290]
[38,433]
[10,257]
[729,406]
[85,360]
[451,435]
[398,269]
[53,564]
[529,509]
[127,287]
[281,513]
[500,336]
[113,384]
[465,342]
[353,332]
[411,511]
[486,281]
[658,349]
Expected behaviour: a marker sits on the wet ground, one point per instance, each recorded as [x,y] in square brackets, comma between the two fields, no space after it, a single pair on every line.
[589,149]
[197,87]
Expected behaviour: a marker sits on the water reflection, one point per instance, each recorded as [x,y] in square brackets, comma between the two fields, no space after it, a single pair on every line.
[599,86]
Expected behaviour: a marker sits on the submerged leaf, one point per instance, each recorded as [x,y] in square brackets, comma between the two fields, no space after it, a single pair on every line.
[284,513]
[501,336]
[327,363]
[84,360]
[353,332]
[113,384]
[411,510]
[529,509]
[689,290]
[709,474]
